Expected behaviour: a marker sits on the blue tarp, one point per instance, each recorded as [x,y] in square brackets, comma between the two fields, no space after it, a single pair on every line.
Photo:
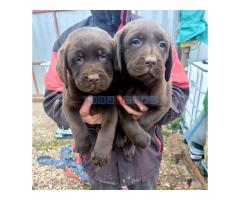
[192,26]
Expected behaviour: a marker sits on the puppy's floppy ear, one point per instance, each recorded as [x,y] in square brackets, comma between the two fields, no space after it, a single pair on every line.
[168,65]
[118,39]
[62,66]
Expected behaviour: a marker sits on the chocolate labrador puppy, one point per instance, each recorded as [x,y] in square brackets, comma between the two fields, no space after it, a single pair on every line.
[143,53]
[85,65]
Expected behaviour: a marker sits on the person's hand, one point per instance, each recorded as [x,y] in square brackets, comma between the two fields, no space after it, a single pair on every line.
[84,112]
[135,114]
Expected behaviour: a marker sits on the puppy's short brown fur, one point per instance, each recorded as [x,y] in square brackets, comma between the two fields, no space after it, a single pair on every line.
[85,65]
[143,53]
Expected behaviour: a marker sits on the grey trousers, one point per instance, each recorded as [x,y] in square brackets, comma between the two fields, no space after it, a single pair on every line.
[150,184]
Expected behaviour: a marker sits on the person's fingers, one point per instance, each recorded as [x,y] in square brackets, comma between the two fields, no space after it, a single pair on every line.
[85,108]
[135,117]
[96,119]
[93,119]
[130,110]
[140,105]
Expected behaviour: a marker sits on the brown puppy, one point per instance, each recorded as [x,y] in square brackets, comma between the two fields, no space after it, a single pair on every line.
[143,53]
[85,65]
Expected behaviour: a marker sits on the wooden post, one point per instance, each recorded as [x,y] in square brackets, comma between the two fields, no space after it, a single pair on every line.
[180,151]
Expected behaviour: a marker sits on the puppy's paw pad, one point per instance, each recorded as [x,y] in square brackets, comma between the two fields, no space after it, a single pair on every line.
[129,151]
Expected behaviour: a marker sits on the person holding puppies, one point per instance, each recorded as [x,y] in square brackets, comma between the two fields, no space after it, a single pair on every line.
[142,170]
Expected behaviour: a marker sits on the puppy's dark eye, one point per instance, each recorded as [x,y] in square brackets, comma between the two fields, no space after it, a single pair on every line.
[78,59]
[163,44]
[103,57]
[136,42]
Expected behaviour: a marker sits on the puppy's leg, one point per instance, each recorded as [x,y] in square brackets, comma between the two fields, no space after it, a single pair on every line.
[79,129]
[103,147]
[133,130]
[153,116]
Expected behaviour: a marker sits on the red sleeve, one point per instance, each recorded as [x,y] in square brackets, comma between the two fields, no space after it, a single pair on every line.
[178,75]
[52,80]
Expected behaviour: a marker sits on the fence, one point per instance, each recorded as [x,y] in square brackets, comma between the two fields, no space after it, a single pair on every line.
[46,28]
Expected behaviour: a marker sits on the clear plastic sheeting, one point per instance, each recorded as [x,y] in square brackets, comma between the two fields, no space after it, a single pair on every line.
[68,18]
[44,32]
[43,36]
[167,18]
[39,72]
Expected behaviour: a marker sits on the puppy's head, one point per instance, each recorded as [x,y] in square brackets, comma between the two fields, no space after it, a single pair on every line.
[143,50]
[86,60]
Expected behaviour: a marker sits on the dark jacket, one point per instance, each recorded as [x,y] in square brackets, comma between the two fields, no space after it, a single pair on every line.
[146,162]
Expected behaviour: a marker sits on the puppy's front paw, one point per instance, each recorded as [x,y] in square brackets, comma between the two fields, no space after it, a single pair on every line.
[129,150]
[83,146]
[100,157]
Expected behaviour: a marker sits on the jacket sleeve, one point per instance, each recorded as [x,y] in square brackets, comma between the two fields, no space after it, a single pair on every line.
[52,102]
[179,99]
[180,90]
[52,105]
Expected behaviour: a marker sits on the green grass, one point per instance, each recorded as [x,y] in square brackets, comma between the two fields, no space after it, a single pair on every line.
[56,143]
[175,123]
[86,187]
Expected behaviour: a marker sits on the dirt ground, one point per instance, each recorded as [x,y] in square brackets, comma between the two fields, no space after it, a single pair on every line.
[173,176]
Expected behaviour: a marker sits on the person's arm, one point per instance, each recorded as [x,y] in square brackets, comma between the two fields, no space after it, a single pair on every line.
[52,105]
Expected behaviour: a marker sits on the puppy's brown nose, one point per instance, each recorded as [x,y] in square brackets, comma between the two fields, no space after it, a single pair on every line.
[93,78]
[150,60]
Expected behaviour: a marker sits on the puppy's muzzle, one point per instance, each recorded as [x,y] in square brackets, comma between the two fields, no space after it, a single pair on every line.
[93,78]
[150,61]
[93,81]
[146,67]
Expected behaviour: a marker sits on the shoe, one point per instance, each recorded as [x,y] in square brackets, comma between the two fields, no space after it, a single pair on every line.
[195,151]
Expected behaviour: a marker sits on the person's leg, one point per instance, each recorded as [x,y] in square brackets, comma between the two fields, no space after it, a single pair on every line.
[150,184]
